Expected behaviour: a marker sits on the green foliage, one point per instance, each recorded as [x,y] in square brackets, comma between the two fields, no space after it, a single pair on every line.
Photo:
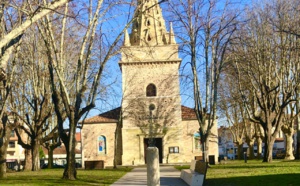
[53,177]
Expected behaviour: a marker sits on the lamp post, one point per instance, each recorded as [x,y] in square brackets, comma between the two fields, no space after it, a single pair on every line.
[153,174]
[151,141]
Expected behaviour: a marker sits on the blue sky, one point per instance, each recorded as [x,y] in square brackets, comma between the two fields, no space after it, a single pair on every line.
[113,95]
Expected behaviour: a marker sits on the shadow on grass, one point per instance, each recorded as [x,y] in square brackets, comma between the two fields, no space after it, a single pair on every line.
[249,167]
[255,164]
[266,180]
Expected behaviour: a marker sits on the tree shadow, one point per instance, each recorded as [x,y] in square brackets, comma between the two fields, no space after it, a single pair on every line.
[265,180]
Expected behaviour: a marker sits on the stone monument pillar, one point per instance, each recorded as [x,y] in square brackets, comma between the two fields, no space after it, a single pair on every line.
[153,174]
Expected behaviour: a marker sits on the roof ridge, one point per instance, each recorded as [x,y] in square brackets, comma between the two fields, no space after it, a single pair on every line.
[113,115]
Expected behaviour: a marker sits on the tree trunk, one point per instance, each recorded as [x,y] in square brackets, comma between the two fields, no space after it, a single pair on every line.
[50,157]
[259,148]
[289,144]
[251,151]
[250,143]
[70,170]
[2,166]
[298,127]
[36,156]
[204,142]
[298,132]
[269,143]
[116,146]
[298,142]
[240,154]
[28,160]
[3,151]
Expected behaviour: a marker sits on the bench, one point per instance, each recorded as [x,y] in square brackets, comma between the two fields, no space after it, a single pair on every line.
[94,164]
[195,176]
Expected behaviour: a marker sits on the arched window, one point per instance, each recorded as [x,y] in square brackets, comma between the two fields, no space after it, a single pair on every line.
[151,90]
[197,141]
[101,145]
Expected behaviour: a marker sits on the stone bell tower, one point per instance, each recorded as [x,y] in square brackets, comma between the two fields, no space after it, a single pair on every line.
[151,102]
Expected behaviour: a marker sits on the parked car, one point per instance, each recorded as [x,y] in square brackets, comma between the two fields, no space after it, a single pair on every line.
[45,166]
[274,154]
[280,154]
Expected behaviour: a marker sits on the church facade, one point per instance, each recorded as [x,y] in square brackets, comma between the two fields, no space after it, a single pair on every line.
[151,112]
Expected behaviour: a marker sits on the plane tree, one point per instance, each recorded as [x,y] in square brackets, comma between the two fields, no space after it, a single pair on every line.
[31,96]
[292,28]
[231,107]
[76,70]
[266,61]
[204,29]
[7,120]
[16,17]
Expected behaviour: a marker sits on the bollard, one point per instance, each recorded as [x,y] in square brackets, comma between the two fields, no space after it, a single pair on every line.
[153,174]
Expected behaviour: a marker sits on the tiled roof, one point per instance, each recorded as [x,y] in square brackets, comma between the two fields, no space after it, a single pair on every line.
[188,113]
[113,116]
[279,140]
[60,150]
[78,136]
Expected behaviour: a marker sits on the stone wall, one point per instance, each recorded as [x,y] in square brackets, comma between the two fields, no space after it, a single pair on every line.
[135,104]
[190,128]
[90,134]
[132,140]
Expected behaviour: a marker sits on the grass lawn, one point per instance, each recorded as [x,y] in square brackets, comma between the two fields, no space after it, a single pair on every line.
[253,173]
[233,173]
[53,177]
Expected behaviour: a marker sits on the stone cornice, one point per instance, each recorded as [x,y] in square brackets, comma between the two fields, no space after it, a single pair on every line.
[150,62]
[147,47]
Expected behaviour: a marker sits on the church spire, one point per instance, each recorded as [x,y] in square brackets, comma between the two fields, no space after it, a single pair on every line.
[171,35]
[148,28]
[126,39]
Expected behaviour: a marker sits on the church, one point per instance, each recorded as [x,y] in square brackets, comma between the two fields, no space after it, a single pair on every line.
[151,112]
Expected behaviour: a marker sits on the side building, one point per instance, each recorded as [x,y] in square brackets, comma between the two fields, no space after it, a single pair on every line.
[15,152]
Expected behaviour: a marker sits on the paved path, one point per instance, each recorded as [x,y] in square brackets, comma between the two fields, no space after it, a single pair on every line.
[169,176]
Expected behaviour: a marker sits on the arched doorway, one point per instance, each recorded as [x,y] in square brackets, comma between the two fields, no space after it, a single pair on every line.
[158,144]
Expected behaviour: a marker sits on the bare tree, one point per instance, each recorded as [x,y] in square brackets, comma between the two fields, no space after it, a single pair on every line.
[31,96]
[267,60]
[16,17]
[242,130]
[287,128]
[292,28]
[51,140]
[205,29]
[7,123]
[250,137]
[75,86]
[231,106]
